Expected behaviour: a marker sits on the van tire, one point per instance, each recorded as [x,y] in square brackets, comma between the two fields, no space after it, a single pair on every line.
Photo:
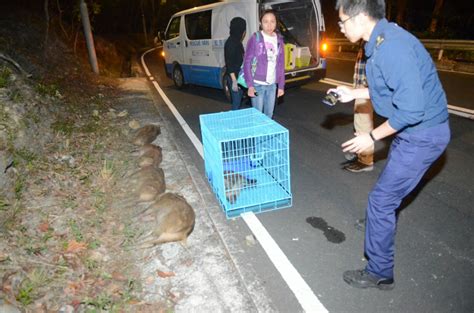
[178,78]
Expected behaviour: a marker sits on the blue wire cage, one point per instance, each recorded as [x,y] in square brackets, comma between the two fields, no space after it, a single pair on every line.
[247,161]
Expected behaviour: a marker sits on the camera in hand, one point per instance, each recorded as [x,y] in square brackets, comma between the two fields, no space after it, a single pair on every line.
[331,98]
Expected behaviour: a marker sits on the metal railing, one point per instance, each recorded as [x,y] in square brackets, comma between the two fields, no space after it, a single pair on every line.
[435,44]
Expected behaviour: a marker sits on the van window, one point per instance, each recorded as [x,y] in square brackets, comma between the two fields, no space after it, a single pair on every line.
[198,25]
[173,30]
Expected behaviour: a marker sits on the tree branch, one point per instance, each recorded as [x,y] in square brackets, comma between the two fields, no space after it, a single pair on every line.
[19,68]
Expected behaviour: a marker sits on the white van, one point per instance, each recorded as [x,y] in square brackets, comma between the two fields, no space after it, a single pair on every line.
[193,43]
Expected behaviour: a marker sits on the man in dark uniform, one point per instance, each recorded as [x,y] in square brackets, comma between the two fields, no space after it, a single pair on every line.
[404,88]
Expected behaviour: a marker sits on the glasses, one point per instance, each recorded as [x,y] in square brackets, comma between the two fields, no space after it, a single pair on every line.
[341,23]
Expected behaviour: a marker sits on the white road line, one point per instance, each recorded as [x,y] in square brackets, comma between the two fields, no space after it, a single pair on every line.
[293,279]
[334,82]
[197,144]
[296,283]
[467,113]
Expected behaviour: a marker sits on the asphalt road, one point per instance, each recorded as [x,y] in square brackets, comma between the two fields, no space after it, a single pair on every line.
[434,269]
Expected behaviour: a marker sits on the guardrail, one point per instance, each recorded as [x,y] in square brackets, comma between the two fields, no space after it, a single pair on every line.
[437,44]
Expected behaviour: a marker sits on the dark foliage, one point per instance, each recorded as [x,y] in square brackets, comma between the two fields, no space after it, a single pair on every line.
[129,17]
[455,22]
[114,16]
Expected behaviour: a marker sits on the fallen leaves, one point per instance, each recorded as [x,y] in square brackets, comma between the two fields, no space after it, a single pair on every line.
[150,280]
[165,274]
[134,124]
[3,257]
[75,247]
[123,113]
[118,276]
[74,287]
[43,227]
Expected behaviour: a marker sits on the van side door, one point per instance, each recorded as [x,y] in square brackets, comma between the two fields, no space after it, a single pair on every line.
[198,46]
[319,15]
[173,44]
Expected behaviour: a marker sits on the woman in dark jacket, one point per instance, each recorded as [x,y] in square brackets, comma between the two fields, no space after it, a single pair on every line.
[234,55]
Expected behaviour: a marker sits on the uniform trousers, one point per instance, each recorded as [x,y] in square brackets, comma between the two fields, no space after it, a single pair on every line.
[410,156]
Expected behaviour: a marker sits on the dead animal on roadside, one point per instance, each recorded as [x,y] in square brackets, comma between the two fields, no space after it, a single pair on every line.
[146,134]
[234,183]
[149,155]
[151,183]
[174,219]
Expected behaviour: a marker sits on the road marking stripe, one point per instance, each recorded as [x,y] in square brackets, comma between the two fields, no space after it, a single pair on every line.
[451,108]
[334,82]
[195,140]
[296,283]
[197,144]
[293,279]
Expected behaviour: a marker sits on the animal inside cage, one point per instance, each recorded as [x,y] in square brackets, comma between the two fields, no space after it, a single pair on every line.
[247,161]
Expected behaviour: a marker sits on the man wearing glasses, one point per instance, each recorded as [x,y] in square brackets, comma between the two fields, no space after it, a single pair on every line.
[405,89]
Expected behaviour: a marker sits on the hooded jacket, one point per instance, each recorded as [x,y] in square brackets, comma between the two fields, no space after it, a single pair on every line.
[233,48]
[256,49]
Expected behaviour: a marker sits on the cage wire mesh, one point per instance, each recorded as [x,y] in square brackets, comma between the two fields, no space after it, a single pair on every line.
[247,163]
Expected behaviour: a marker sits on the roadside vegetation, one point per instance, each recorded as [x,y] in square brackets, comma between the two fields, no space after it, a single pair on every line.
[64,151]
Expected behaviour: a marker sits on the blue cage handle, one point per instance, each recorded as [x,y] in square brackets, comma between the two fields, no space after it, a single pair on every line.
[257,157]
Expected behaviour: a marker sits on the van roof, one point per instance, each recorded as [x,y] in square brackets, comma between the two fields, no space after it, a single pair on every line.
[208,6]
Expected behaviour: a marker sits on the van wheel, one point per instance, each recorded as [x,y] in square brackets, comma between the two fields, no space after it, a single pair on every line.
[178,78]
[225,88]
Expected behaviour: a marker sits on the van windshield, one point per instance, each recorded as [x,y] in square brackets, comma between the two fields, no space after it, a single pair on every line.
[299,27]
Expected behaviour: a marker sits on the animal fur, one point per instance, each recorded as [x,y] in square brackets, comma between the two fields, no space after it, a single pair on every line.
[146,134]
[150,155]
[174,219]
[234,183]
[151,183]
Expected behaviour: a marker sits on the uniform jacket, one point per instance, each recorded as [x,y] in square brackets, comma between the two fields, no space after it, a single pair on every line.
[403,82]
[256,48]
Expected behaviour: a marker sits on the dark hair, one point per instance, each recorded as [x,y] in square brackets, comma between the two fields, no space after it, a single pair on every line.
[373,8]
[268,12]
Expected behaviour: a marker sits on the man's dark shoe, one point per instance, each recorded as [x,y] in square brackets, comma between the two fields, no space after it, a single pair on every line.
[360,224]
[357,167]
[363,279]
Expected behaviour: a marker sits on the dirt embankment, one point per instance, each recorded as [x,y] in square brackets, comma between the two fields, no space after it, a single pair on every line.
[64,157]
